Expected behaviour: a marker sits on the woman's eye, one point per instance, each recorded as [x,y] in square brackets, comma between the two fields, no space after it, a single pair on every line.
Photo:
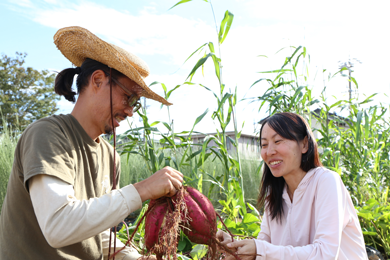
[277,141]
[263,145]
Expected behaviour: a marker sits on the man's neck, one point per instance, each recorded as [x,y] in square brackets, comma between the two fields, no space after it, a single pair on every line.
[85,121]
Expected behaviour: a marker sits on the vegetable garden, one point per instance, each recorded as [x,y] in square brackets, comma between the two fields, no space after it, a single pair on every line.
[356,145]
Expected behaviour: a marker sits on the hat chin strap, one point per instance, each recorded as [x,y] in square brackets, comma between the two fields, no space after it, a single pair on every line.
[114,166]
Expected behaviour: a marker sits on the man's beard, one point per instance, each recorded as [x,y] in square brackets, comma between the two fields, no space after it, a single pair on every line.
[108,130]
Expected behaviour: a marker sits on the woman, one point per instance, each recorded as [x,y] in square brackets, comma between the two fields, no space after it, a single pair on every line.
[308,211]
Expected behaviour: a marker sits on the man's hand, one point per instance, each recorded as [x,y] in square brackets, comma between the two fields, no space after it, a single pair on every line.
[165,182]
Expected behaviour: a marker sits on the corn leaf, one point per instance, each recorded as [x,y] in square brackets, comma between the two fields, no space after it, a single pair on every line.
[178,3]
[225,26]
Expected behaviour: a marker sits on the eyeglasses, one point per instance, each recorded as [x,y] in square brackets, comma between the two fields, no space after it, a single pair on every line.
[133,100]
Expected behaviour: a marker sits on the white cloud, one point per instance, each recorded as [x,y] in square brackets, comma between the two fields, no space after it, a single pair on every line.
[21,3]
[332,31]
[145,34]
[344,12]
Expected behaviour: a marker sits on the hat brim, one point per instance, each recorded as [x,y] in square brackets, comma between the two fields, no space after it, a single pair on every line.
[77,44]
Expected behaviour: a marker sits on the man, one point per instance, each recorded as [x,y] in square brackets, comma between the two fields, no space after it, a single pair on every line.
[61,198]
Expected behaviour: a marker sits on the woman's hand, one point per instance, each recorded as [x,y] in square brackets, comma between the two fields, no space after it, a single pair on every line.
[223,237]
[245,249]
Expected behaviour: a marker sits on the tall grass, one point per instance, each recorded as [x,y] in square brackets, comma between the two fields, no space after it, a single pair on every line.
[8,141]
[134,169]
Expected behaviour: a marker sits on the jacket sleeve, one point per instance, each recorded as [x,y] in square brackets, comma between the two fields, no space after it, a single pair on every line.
[330,208]
[265,232]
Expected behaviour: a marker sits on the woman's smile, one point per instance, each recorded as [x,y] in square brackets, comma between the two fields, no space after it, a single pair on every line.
[274,163]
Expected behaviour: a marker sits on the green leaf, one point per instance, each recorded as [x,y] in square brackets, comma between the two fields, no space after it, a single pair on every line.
[254,210]
[178,3]
[225,26]
[154,123]
[160,158]
[217,67]
[367,216]
[193,53]
[167,126]
[369,233]
[358,126]
[250,218]
[211,47]
[225,97]
[257,81]
[252,227]
[289,58]
[276,99]
[184,243]
[199,118]
[354,81]
[193,155]
[276,71]
[170,92]
[198,251]
[182,257]
[198,64]
[229,223]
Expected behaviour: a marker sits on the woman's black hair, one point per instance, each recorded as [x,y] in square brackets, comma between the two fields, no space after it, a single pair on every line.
[293,127]
[64,79]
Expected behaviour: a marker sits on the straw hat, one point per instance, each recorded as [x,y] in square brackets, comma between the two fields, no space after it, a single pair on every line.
[77,44]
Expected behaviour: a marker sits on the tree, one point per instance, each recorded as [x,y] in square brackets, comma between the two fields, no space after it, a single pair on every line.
[26,94]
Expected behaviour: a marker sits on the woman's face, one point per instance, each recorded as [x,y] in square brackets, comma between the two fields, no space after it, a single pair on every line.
[283,156]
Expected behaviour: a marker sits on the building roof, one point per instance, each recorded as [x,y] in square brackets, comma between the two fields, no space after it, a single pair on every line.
[228,133]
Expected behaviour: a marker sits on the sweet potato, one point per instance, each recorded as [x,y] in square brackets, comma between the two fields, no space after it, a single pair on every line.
[197,220]
[190,211]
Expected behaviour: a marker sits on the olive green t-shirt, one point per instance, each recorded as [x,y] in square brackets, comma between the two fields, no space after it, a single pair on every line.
[57,146]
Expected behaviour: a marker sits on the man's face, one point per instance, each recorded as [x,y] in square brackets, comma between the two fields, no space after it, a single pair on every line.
[120,106]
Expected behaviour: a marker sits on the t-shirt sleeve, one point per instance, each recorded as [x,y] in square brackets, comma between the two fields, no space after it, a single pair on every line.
[45,149]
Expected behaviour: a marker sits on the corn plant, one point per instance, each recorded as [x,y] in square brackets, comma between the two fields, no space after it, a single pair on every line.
[287,91]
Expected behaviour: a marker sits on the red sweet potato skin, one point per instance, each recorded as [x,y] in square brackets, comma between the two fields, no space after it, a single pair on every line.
[202,225]
[198,221]
[153,222]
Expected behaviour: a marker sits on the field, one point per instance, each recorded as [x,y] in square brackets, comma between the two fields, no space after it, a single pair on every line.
[353,137]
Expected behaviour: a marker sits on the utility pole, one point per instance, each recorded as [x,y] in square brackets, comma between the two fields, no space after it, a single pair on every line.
[348,65]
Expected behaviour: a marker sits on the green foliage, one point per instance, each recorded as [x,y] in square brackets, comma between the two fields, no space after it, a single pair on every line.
[26,94]
[8,142]
[364,134]
[375,220]
[287,91]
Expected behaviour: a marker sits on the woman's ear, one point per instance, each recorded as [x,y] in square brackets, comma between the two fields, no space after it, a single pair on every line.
[305,145]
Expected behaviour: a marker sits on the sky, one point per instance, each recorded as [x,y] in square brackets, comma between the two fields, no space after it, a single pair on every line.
[332,31]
